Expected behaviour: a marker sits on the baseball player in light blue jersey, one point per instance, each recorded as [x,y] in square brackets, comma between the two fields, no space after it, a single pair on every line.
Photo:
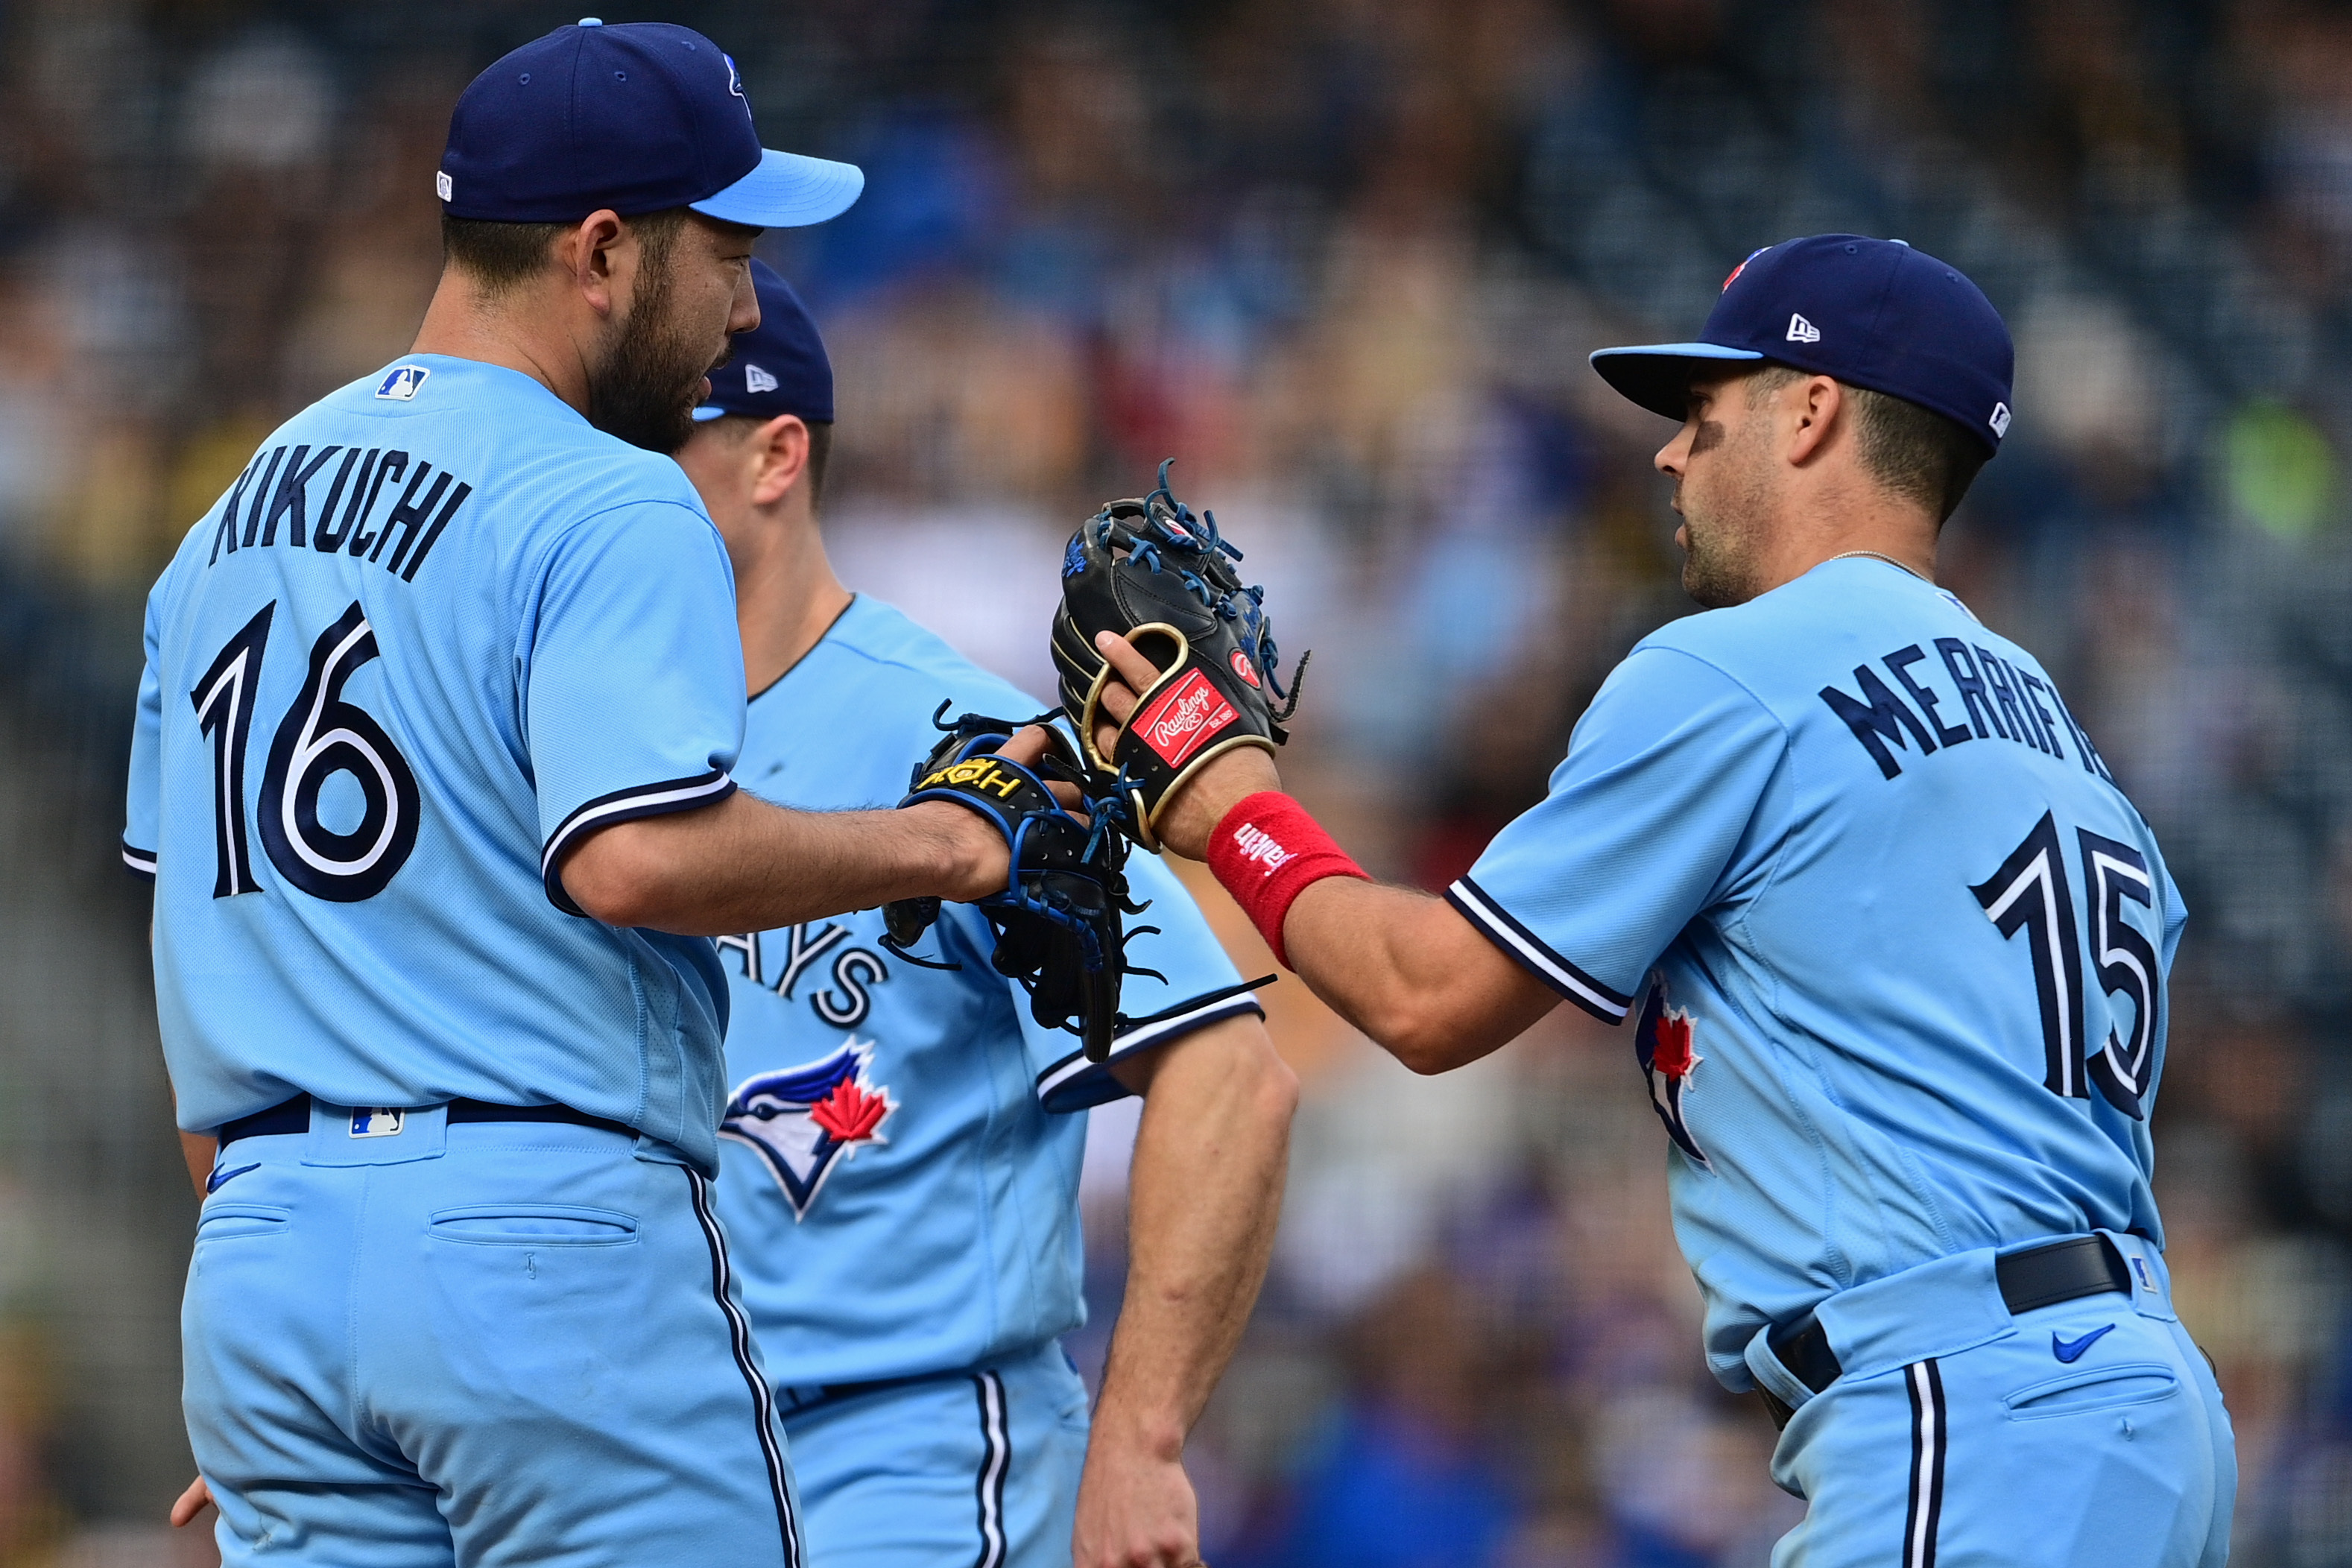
[433,771]
[1892,940]
[902,1142]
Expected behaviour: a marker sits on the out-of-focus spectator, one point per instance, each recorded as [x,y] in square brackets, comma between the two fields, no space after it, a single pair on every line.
[1403,1476]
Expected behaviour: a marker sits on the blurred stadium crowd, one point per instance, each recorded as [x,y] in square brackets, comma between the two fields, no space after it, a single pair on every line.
[1344,259]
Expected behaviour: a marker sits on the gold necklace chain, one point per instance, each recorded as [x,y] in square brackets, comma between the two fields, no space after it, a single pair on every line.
[1875,555]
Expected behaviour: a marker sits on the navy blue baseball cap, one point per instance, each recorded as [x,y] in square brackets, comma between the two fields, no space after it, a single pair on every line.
[780,366]
[1871,312]
[637,117]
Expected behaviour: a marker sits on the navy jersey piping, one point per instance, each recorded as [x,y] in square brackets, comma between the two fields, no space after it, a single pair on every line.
[1073,1083]
[1498,924]
[625,806]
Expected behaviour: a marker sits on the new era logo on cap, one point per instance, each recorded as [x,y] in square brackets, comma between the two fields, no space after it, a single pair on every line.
[2000,420]
[780,366]
[443,187]
[1801,331]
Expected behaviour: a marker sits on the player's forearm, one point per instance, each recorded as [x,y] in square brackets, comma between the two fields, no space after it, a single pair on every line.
[747,864]
[1351,941]
[1409,972]
[1204,1194]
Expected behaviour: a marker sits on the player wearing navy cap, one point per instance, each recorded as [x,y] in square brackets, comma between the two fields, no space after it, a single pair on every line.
[432,769]
[1893,942]
[902,1143]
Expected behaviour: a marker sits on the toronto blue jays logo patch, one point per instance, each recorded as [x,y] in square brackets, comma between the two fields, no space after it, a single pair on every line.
[1663,1043]
[803,1120]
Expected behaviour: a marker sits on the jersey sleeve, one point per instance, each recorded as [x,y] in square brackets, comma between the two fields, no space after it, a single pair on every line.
[143,801]
[634,676]
[1644,817]
[1203,988]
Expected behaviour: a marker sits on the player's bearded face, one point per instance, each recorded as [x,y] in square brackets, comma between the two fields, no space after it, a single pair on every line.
[646,390]
[1723,493]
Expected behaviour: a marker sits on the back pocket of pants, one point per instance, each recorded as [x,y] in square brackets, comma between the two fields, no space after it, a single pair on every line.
[533,1224]
[2103,1388]
[229,1222]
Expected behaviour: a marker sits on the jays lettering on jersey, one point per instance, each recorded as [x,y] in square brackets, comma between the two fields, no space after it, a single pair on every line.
[438,628]
[900,1180]
[1893,940]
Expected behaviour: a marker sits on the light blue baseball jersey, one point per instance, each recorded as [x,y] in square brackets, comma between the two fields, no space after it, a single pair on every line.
[1896,941]
[901,1175]
[438,629]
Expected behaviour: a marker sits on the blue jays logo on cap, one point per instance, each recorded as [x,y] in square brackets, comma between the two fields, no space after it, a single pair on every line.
[1875,313]
[402,381]
[805,1120]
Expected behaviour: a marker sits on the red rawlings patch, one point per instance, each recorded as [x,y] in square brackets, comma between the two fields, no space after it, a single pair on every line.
[1244,668]
[1184,718]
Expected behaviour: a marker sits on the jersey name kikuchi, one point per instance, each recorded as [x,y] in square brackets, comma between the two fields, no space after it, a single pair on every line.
[436,630]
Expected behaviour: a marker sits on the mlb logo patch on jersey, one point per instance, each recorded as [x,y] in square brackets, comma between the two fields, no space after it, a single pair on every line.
[803,1120]
[378,1121]
[1663,1043]
[402,381]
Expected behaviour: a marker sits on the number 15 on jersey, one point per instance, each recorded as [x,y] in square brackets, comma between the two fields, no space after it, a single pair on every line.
[2029,895]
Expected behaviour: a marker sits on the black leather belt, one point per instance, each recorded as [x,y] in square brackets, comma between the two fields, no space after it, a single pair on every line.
[807,1397]
[2038,1277]
[294,1116]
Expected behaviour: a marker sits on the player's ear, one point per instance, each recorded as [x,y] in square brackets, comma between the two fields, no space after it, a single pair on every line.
[1813,408]
[782,445]
[586,254]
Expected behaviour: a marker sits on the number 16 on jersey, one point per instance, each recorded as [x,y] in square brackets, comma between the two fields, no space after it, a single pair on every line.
[320,736]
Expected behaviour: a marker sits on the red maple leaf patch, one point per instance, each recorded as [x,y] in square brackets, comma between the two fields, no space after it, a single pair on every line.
[1670,1046]
[849,1114]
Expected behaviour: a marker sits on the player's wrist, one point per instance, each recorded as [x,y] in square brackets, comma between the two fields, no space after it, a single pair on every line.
[1123,1432]
[1266,850]
[966,858]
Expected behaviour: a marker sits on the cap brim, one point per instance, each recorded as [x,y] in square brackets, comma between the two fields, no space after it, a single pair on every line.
[787,190]
[1658,376]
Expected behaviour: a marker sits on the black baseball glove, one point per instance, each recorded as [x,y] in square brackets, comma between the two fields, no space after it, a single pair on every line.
[1162,576]
[1057,923]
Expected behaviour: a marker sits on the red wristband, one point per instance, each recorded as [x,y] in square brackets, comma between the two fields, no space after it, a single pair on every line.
[1266,852]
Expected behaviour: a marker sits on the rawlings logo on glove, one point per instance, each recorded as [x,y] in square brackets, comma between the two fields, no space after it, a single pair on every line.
[1162,576]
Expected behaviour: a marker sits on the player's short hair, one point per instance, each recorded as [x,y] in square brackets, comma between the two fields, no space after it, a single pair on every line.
[736,427]
[1918,453]
[501,257]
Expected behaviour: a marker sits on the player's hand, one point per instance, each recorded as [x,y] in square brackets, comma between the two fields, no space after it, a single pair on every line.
[1193,812]
[981,862]
[194,1502]
[1135,1510]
